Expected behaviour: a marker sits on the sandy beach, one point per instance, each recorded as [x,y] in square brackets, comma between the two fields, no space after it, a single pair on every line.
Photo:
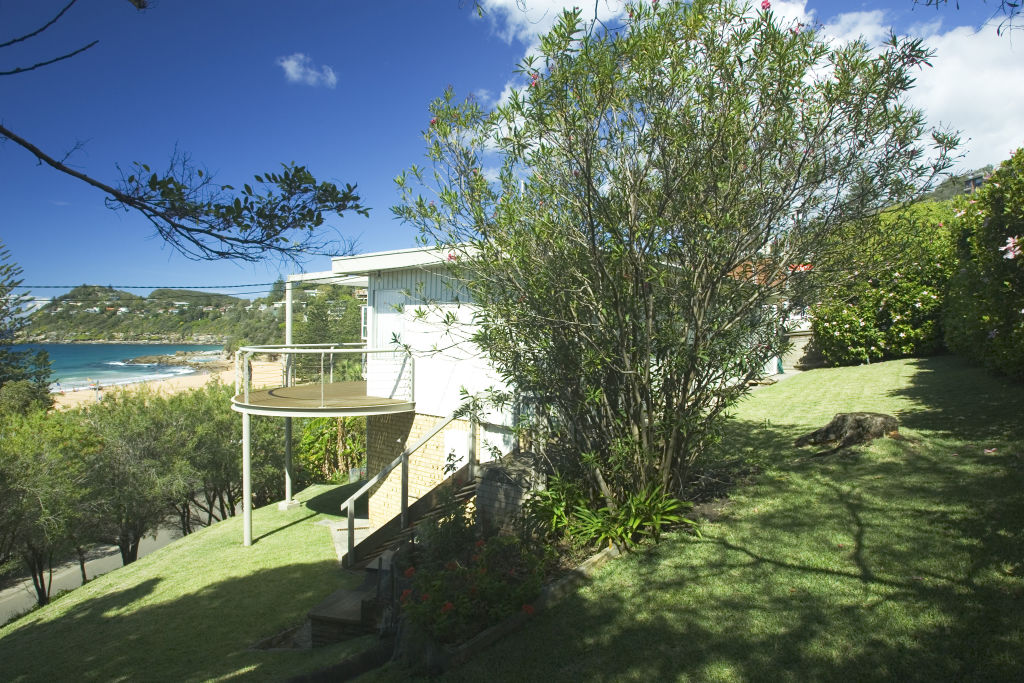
[172,385]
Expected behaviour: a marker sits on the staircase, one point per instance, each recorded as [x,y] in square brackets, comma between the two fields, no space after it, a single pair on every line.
[391,534]
[350,612]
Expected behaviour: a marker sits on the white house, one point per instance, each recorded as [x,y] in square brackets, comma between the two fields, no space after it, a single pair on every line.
[416,368]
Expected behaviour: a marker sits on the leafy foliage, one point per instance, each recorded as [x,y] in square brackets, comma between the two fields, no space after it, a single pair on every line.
[456,584]
[16,365]
[891,305]
[655,185]
[985,313]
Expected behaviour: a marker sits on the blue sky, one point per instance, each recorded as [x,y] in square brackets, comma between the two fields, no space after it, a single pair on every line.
[342,87]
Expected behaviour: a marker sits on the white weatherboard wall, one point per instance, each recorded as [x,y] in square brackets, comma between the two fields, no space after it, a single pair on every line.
[412,303]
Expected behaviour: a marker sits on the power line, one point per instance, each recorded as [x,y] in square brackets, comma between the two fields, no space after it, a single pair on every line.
[321,280]
[253,284]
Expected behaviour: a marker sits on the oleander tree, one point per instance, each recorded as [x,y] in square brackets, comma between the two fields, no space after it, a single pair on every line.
[636,223]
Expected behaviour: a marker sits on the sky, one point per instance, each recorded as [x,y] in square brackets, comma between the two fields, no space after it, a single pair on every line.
[343,87]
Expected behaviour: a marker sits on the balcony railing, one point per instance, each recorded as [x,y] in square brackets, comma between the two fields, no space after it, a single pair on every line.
[320,379]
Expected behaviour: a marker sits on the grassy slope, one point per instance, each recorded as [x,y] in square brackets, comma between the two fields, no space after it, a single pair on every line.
[190,610]
[902,560]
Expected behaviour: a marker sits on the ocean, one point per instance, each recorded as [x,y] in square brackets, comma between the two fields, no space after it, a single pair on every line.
[77,366]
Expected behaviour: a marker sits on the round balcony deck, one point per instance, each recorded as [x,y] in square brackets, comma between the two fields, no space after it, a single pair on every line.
[337,400]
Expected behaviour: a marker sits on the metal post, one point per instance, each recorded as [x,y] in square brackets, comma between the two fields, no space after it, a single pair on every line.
[246,375]
[288,312]
[238,373]
[412,377]
[287,460]
[350,512]
[405,490]
[246,482]
[472,448]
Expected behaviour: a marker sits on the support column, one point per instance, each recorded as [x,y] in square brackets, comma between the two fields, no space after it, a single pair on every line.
[288,312]
[287,503]
[246,480]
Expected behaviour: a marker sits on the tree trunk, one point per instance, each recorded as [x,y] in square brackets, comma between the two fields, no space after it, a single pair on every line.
[37,567]
[80,551]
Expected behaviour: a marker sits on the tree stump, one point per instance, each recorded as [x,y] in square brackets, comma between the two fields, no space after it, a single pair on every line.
[852,428]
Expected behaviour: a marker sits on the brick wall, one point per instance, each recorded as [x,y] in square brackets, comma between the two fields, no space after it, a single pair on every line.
[386,437]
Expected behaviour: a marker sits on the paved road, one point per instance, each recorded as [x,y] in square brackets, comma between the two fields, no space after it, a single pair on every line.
[20,597]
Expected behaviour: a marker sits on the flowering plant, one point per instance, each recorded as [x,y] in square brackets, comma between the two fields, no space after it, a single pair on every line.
[489,581]
[985,313]
[893,308]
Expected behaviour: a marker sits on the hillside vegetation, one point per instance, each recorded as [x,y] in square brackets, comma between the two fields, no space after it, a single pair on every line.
[91,313]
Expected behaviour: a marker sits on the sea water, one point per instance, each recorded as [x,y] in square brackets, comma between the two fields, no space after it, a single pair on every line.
[79,366]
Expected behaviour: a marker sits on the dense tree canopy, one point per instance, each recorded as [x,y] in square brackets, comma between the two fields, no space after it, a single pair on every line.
[631,222]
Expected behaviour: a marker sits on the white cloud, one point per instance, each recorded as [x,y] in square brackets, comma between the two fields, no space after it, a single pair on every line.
[972,86]
[870,26]
[298,68]
[527,20]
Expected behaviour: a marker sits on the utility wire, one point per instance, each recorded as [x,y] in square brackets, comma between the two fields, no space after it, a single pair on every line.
[321,280]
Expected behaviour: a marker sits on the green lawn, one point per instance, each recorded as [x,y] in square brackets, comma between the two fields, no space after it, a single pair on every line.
[902,560]
[191,610]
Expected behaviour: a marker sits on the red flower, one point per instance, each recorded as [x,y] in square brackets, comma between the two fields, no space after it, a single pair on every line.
[765,5]
[425,597]
[451,566]
[447,607]
[409,572]
[480,543]
[406,594]
[528,609]
[433,121]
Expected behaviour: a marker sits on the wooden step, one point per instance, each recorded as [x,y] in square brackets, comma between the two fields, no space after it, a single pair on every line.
[344,614]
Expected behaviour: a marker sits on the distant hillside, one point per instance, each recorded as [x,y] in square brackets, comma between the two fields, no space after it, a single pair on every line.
[93,313]
[96,313]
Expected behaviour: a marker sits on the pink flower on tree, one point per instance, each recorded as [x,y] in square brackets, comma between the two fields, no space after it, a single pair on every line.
[765,5]
[1011,249]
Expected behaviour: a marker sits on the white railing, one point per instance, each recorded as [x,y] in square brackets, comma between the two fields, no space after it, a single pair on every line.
[388,372]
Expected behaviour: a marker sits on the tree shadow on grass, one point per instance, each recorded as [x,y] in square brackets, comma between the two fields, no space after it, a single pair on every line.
[329,502]
[957,399]
[131,635]
[894,561]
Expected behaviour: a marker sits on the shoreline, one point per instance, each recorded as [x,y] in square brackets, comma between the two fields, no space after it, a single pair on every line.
[84,396]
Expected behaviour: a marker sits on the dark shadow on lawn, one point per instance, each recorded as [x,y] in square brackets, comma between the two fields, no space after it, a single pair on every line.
[897,561]
[285,526]
[200,636]
[329,502]
[958,399]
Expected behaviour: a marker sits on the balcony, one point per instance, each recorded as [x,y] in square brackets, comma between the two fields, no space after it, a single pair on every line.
[323,380]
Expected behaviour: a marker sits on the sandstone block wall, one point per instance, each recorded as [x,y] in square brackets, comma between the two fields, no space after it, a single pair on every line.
[386,437]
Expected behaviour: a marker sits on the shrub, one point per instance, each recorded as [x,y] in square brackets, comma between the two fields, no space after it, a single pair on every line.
[454,584]
[985,314]
[892,308]
[495,579]
[562,511]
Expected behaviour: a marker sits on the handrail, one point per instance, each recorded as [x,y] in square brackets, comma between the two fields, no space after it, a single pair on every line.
[403,459]
[404,383]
